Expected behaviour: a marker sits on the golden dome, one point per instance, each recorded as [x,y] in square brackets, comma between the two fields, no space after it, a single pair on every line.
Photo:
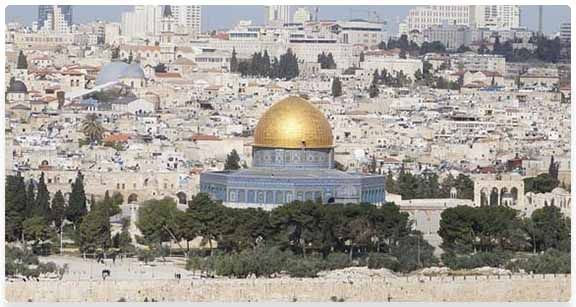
[293,123]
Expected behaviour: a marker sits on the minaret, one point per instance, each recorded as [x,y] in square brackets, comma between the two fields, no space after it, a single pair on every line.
[167,35]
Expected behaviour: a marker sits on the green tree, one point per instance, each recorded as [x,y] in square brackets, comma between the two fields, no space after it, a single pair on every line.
[390,183]
[92,128]
[407,184]
[207,218]
[76,209]
[336,87]
[15,210]
[463,49]
[466,229]
[36,229]
[157,221]
[109,204]
[94,231]
[465,187]
[326,61]
[117,198]
[232,161]
[287,67]
[551,261]
[122,240]
[552,229]
[418,75]
[298,225]
[244,229]
[413,252]
[542,183]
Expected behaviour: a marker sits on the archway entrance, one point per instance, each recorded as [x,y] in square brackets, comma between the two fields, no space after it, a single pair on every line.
[182,199]
[132,198]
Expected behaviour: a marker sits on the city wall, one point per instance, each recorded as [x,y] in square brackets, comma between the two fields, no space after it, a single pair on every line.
[427,289]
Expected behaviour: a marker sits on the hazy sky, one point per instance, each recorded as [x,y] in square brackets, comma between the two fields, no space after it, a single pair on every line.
[219,17]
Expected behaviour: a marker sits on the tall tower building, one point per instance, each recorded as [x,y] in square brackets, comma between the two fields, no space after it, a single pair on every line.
[424,17]
[277,15]
[566,33]
[143,21]
[188,17]
[540,13]
[495,17]
[55,18]
[167,47]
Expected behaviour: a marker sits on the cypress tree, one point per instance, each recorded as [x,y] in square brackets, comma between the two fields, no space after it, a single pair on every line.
[390,183]
[232,161]
[288,66]
[58,209]
[323,60]
[30,198]
[22,62]
[553,168]
[331,64]
[77,202]
[266,64]
[43,200]
[373,91]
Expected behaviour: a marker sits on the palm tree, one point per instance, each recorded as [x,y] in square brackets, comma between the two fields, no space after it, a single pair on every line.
[92,128]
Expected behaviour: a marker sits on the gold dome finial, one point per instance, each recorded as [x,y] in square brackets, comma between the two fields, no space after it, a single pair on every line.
[293,123]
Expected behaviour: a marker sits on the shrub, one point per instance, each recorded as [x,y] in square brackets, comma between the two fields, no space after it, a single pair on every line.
[379,260]
[305,267]
[147,255]
[18,261]
[550,262]
[413,252]
[336,261]
[260,262]
[491,259]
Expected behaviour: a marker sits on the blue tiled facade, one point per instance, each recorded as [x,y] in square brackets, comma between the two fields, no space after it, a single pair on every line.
[279,176]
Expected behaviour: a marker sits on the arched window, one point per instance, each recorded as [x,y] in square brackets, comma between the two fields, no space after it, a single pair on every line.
[132,198]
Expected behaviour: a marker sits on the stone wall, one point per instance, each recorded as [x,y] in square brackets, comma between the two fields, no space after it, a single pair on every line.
[425,289]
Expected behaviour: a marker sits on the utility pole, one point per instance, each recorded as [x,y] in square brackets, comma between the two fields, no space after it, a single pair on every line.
[61,227]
